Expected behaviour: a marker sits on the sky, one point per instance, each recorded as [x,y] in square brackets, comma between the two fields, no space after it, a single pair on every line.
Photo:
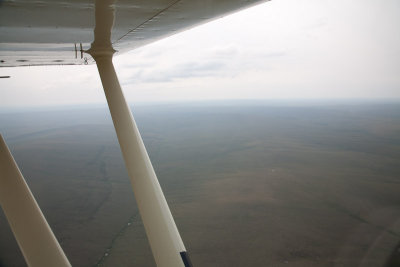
[282,49]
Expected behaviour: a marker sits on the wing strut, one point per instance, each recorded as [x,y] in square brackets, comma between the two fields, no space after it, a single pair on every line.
[165,241]
[34,236]
[163,235]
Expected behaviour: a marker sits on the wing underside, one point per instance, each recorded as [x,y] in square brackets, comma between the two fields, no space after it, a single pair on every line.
[58,32]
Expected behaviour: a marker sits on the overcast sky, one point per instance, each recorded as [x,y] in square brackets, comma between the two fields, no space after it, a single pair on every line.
[280,49]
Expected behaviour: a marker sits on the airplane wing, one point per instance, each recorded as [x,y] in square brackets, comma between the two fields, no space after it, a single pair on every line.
[43,32]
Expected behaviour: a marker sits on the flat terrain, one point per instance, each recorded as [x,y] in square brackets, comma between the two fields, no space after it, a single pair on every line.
[249,183]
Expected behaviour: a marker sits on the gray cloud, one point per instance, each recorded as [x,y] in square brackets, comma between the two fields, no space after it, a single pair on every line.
[226,51]
[223,64]
[180,71]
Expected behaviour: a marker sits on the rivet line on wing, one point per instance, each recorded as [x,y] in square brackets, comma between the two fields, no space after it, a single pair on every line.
[141,25]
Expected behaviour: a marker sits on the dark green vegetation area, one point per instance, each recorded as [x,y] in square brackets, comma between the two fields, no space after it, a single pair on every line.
[249,184]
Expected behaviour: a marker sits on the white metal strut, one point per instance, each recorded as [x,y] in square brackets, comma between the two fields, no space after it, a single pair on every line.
[165,241]
[31,230]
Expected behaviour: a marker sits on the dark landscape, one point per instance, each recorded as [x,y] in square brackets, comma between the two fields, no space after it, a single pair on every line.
[249,183]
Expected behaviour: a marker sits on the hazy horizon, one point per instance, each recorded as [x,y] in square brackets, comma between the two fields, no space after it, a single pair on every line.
[227,101]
